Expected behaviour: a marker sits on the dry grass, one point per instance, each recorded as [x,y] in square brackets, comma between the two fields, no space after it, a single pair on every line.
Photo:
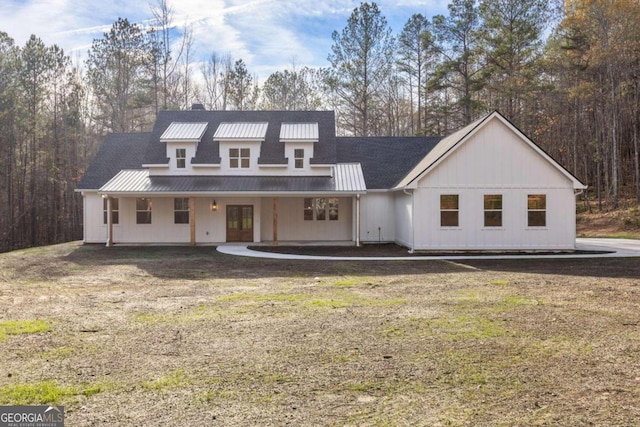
[187,336]
[623,222]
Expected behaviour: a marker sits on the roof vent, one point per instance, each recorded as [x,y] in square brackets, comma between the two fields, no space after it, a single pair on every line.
[197,107]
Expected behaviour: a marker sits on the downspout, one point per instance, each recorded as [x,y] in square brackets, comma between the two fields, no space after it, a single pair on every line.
[413,234]
[358,220]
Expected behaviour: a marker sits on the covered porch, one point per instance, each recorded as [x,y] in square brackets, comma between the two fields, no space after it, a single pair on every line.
[138,208]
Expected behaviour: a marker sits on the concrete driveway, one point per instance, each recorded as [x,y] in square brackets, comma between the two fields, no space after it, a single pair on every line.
[613,247]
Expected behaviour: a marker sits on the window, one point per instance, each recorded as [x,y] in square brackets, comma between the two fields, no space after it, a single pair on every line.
[333,209]
[449,210]
[308,209]
[537,210]
[298,155]
[493,210]
[321,208]
[239,158]
[143,211]
[181,158]
[181,210]
[115,211]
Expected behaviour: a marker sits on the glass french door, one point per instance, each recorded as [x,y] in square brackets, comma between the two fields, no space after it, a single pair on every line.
[239,223]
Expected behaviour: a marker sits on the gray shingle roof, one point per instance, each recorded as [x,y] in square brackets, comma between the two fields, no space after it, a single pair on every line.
[385,160]
[118,151]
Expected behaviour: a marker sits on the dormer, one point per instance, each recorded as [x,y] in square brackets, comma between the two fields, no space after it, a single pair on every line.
[182,140]
[299,140]
[240,145]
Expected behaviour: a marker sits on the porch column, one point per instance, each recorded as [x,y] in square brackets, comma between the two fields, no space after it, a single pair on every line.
[109,222]
[192,219]
[275,221]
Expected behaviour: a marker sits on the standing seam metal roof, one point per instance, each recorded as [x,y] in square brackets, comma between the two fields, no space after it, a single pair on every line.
[178,131]
[299,131]
[347,178]
[241,130]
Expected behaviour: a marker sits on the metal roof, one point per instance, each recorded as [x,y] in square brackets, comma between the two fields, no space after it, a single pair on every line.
[178,131]
[241,130]
[299,132]
[347,179]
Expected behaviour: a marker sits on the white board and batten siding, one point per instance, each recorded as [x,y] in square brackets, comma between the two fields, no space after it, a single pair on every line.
[377,217]
[293,227]
[210,226]
[495,160]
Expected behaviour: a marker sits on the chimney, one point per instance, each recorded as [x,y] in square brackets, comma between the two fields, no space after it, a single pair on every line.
[197,107]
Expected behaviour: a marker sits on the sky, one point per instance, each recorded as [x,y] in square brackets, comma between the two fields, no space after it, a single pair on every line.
[269,35]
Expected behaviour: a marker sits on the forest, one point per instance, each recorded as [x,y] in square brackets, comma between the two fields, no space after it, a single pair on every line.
[565,73]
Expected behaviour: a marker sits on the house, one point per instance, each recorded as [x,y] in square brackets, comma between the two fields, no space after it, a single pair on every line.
[207,177]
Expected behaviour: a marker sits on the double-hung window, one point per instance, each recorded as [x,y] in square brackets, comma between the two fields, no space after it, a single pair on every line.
[143,210]
[298,155]
[537,210]
[493,210]
[449,210]
[181,158]
[181,210]
[239,158]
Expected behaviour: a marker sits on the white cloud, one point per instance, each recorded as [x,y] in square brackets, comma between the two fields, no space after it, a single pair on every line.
[266,34]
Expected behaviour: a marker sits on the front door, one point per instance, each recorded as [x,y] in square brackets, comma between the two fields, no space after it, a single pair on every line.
[239,223]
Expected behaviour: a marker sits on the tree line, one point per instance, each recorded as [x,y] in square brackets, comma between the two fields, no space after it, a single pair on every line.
[566,73]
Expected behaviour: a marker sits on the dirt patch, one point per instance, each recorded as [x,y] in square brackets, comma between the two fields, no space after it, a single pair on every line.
[188,336]
[391,250]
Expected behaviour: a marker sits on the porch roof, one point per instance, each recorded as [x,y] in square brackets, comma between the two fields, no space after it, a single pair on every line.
[347,178]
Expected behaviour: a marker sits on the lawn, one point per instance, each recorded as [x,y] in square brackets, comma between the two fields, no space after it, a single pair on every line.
[179,336]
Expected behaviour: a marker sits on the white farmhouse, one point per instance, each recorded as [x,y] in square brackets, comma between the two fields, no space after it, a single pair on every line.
[209,177]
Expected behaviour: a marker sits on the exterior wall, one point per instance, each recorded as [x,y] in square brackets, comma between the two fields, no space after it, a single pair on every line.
[190,149]
[289,148]
[210,226]
[293,227]
[254,169]
[403,216]
[377,222]
[495,161]
[94,230]
[559,232]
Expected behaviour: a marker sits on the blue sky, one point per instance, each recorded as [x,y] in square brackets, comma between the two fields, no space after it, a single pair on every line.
[267,34]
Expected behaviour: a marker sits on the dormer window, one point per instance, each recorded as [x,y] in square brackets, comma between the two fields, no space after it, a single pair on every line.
[298,155]
[181,158]
[239,158]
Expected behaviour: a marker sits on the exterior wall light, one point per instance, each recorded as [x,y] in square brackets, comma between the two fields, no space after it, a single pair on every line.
[214,206]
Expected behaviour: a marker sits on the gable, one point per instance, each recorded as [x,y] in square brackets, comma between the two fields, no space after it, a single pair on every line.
[490,151]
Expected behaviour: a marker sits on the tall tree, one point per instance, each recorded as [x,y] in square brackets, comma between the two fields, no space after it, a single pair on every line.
[215,74]
[414,45]
[291,90]
[243,95]
[512,39]
[457,42]
[116,74]
[9,67]
[361,60]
